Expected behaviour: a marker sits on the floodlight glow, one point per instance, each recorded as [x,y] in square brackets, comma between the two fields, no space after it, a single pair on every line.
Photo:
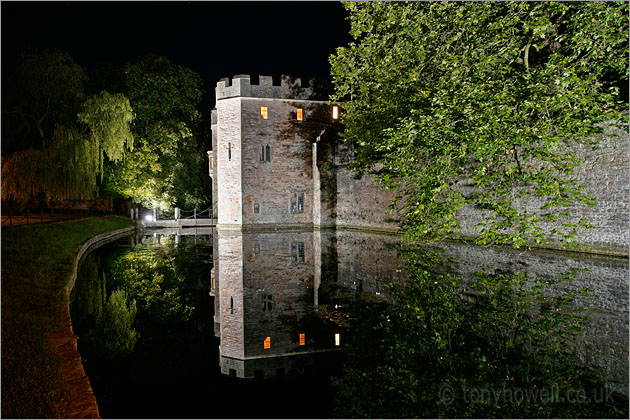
[148,218]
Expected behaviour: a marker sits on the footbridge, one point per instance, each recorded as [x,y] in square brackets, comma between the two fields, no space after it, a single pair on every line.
[179,218]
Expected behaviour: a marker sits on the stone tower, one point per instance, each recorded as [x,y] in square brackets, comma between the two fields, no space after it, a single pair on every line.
[263,171]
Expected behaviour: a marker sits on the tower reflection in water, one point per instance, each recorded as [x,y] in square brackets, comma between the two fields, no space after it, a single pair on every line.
[279,296]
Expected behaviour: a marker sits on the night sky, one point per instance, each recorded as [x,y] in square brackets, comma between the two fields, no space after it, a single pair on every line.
[214,39]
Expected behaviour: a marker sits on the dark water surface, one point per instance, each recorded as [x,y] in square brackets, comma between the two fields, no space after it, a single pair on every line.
[252,325]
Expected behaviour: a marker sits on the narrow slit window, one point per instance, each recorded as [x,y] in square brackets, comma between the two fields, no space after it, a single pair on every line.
[262,153]
[302,339]
[267,302]
[268,153]
[231,305]
[293,251]
[267,343]
[256,207]
[299,114]
[229,151]
[300,207]
[256,249]
[337,339]
[264,113]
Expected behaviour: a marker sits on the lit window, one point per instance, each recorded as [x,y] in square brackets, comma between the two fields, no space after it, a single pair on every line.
[214,283]
[302,339]
[212,163]
[263,112]
[337,339]
[335,112]
[267,343]
[299,114]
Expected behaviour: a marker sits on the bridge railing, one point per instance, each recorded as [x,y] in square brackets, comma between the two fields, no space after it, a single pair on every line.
[178,213]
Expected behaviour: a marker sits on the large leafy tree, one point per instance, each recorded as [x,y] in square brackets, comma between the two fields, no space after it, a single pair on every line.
[480,104]
[57,137]
[167,166]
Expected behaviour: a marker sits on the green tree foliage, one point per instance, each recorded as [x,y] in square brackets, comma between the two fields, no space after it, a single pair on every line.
[67,135]
[455,103]
[168,164]
[113,334]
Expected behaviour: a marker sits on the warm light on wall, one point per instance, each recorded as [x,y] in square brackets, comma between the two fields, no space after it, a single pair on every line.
[302,339]
[267,343]
[337,339]
[299,114]
[263,112]
[335,112]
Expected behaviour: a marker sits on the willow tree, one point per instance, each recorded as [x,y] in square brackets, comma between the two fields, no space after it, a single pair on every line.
[69,165]
[480,104]
[60,137]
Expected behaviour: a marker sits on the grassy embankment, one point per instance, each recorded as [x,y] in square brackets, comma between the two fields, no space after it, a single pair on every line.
[37,263]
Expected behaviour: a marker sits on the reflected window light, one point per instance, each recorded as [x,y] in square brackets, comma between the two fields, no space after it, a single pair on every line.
[335,112]
[302,339]
[337,339]
[267,343]
[263,112]
[300,115]
[214,283]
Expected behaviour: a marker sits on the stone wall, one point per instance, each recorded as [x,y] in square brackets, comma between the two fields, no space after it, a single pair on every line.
[333,198]
[605,175]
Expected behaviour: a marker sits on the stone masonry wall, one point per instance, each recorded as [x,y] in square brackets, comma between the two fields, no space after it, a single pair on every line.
[288,171]
[605,174]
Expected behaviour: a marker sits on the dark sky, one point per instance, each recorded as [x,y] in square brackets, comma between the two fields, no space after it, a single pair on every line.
[215,39]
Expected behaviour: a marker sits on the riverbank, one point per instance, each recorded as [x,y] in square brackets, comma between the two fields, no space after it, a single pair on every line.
[42,376]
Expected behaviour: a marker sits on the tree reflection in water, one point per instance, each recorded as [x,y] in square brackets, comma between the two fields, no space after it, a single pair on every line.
[499,346]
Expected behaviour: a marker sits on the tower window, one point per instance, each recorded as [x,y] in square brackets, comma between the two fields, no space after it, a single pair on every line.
[267,302]
[297,251]
[265,153]
[267,343]
[297,203]
[256,207]
[231,305]
[229,151]
[264,113]
[256,249]
[299,115]
[337,339]
[302,339]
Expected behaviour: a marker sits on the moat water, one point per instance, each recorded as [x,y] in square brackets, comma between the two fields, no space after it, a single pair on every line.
[253,325]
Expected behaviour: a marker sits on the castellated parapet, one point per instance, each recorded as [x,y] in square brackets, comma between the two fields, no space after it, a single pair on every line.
[241,85]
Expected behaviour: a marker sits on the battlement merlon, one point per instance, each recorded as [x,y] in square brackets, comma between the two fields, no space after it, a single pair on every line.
[241,86]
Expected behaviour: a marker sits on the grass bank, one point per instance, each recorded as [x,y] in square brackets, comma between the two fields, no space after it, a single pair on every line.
[37,263]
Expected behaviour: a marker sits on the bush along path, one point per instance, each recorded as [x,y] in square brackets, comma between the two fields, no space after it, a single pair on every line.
[42,375]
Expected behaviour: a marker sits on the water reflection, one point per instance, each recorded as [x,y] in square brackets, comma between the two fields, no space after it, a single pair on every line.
[277,295]
[285,307]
